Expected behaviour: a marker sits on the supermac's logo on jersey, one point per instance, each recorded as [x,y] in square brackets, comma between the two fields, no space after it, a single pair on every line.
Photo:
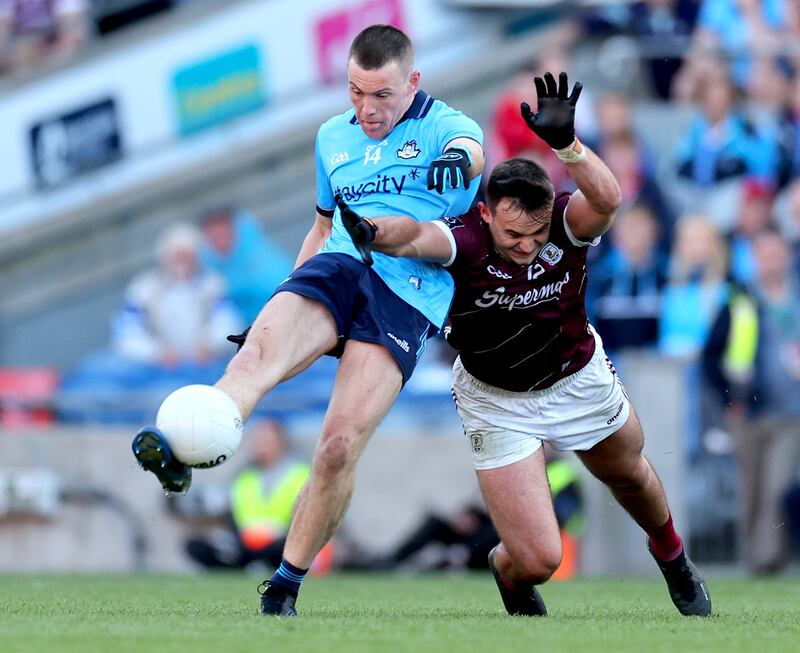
[551,254]
[409,150]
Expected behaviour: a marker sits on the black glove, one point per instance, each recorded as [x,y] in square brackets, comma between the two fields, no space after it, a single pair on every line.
[454,164]
[239,339]
[362,230]
[554,123]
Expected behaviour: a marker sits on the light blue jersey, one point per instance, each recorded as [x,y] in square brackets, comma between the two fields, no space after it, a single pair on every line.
[389,177]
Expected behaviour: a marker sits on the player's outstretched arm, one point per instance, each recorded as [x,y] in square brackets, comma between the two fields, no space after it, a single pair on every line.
[395,235]
[592,208]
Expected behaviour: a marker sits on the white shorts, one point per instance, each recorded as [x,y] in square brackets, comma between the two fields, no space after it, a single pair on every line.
[574,414]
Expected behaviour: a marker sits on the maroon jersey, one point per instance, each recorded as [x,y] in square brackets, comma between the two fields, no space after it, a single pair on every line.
[519,327]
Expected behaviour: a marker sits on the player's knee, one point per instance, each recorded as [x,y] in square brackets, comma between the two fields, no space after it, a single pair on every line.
[336,451]
[539,571]
[538,563]
[628,475]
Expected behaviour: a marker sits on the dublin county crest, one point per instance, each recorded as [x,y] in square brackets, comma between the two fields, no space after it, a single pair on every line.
[408,151]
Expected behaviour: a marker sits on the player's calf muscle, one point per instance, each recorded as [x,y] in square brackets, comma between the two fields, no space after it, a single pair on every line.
[248,376]
[252,367]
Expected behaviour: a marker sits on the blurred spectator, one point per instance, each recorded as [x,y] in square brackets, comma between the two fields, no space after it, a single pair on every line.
[511,136]
[695,290]
[464,539]
[752,360]
[754,215]
[624,290]
[721,145]
[251,264]
[696,287]
[786,214]
[663,28]
[34,31]
[631,162]
[741,28]
[176,314]
[699,64]
[788,131]
[261,500]
[769,108]
[461,540]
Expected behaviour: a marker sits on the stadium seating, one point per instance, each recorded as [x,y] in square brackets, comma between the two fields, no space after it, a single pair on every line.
[26,396]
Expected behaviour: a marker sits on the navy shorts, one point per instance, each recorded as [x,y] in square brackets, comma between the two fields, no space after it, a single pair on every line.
[363,307]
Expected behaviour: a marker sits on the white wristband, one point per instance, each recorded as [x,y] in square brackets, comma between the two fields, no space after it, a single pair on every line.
[569,153]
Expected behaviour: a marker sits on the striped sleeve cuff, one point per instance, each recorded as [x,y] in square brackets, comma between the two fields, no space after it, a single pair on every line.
[453,247]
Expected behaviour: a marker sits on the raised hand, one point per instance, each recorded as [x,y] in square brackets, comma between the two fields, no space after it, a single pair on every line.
[362,230]
[554,122]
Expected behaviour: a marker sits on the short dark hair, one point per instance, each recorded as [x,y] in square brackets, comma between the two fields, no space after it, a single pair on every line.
[377,45]
[522,181]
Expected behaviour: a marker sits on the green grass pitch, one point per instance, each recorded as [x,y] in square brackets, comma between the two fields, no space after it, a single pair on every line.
[392,614]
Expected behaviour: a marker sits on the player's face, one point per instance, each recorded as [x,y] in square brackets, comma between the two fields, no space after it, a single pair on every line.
[517,235]
[381,97]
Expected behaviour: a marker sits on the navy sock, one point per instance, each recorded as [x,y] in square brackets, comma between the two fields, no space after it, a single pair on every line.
[289,577]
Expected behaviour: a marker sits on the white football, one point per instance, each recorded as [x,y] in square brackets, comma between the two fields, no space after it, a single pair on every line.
[202,425]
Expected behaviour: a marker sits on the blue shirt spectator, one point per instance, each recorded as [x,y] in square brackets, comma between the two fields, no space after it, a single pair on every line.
[695,289]
[252,265]
[720,144]
[740,27]
[624,290]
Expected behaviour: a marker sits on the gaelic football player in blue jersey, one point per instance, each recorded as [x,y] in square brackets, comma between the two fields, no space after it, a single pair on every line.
[397,151]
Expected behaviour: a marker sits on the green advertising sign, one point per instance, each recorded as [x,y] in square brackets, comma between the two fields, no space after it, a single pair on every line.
[217,90]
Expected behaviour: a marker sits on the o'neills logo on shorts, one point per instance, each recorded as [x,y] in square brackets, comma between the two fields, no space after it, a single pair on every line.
[617,414]
[403,344]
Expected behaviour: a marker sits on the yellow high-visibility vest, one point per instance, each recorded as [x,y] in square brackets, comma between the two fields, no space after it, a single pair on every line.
[560,474]
[252,507]
[740,350]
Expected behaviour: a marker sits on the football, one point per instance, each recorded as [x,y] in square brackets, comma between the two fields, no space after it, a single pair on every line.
[202,425]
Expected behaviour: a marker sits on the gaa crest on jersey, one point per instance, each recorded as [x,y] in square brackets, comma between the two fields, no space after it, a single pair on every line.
[551,254]
[409,150]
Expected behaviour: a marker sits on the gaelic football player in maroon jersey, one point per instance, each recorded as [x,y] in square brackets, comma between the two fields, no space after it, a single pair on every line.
[531,369]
